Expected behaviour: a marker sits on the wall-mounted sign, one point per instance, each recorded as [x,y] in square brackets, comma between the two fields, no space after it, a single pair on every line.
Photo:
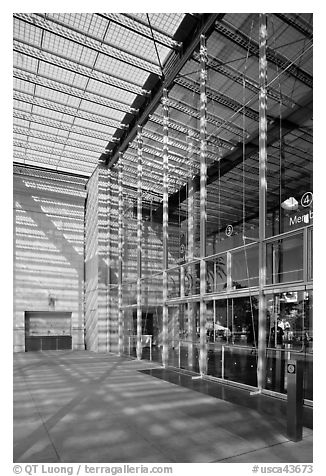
[301,219]
[306,199]
[229,230]
[291,369]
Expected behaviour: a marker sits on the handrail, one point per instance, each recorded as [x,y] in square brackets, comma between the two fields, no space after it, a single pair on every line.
[246,347]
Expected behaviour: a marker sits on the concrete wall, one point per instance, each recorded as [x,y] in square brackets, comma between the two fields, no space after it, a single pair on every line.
[101,265]
[48,248]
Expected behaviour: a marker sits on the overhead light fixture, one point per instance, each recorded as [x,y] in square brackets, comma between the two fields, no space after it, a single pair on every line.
[290,204]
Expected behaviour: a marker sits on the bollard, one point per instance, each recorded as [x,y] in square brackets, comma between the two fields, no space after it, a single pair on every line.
[294,371]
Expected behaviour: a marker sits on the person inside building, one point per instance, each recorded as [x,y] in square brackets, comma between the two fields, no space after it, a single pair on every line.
[279,334]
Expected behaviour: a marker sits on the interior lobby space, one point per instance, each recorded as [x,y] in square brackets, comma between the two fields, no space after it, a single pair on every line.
[163,237]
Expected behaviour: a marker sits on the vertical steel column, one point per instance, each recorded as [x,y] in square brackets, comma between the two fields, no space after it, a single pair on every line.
[108,250]
[182,281]
[139,240]
[165,318]
[229,280]
[191,224]
[203,203]
[261,365]
[120,253]
[191,207]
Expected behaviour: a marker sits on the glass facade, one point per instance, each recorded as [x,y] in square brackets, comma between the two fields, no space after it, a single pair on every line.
[229,234]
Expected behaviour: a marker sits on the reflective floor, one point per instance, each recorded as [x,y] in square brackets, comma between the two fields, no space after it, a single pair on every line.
[264,404]
[86,407]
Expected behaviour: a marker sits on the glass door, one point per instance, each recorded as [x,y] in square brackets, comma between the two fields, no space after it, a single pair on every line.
[289,336]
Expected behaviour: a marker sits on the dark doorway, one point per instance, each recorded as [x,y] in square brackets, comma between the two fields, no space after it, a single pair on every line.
[147,323]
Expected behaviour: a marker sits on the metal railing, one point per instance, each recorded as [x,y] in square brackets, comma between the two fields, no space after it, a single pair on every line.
[146,341]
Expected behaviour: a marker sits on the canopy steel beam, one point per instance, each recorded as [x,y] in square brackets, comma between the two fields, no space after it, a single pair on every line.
[79,93]
[88,41]
[272,56]
[237,76]
[58,125]
[304,29]
[213,119]
[70,111]
[55,59]
[45,169]
[54,153]
[39,162]
[139,28]
[295,119]
[189,33]
[57,139]
[217,97]
[183,129]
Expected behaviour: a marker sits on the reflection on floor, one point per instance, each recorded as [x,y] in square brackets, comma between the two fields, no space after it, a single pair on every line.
[99,408]
[262,403]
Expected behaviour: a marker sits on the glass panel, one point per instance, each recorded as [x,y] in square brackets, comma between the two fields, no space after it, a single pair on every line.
[129,294]
[151,333]
[129,340]
[232,339]
[289,180]
[244,321]
[245,267]
[216,274]
[157,334]
[310,255]
[285,260]
[176,315]
[192,279]
[174,283]
[189,338]
[239,364]
[289,336]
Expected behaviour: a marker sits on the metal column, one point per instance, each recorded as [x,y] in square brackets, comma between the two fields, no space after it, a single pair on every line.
[108,254]
[190,255]
[165,318]
[120,253]
[203,203]
[191,207]
[261,365]
[139,242]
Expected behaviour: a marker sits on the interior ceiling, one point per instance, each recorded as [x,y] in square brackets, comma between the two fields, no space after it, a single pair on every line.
[83,82]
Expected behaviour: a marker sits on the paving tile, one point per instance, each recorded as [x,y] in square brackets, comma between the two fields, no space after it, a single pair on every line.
[87,407]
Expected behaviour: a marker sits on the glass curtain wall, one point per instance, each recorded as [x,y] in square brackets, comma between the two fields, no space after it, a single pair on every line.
[213,278]
[289,336]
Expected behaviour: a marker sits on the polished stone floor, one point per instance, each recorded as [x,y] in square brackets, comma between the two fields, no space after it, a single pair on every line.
[101,408]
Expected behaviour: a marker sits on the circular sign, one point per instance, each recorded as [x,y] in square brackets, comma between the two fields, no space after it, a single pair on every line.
[306,199]
[229,230]
[291,369]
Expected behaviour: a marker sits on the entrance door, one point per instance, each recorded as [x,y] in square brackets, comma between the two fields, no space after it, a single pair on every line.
[289,336]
